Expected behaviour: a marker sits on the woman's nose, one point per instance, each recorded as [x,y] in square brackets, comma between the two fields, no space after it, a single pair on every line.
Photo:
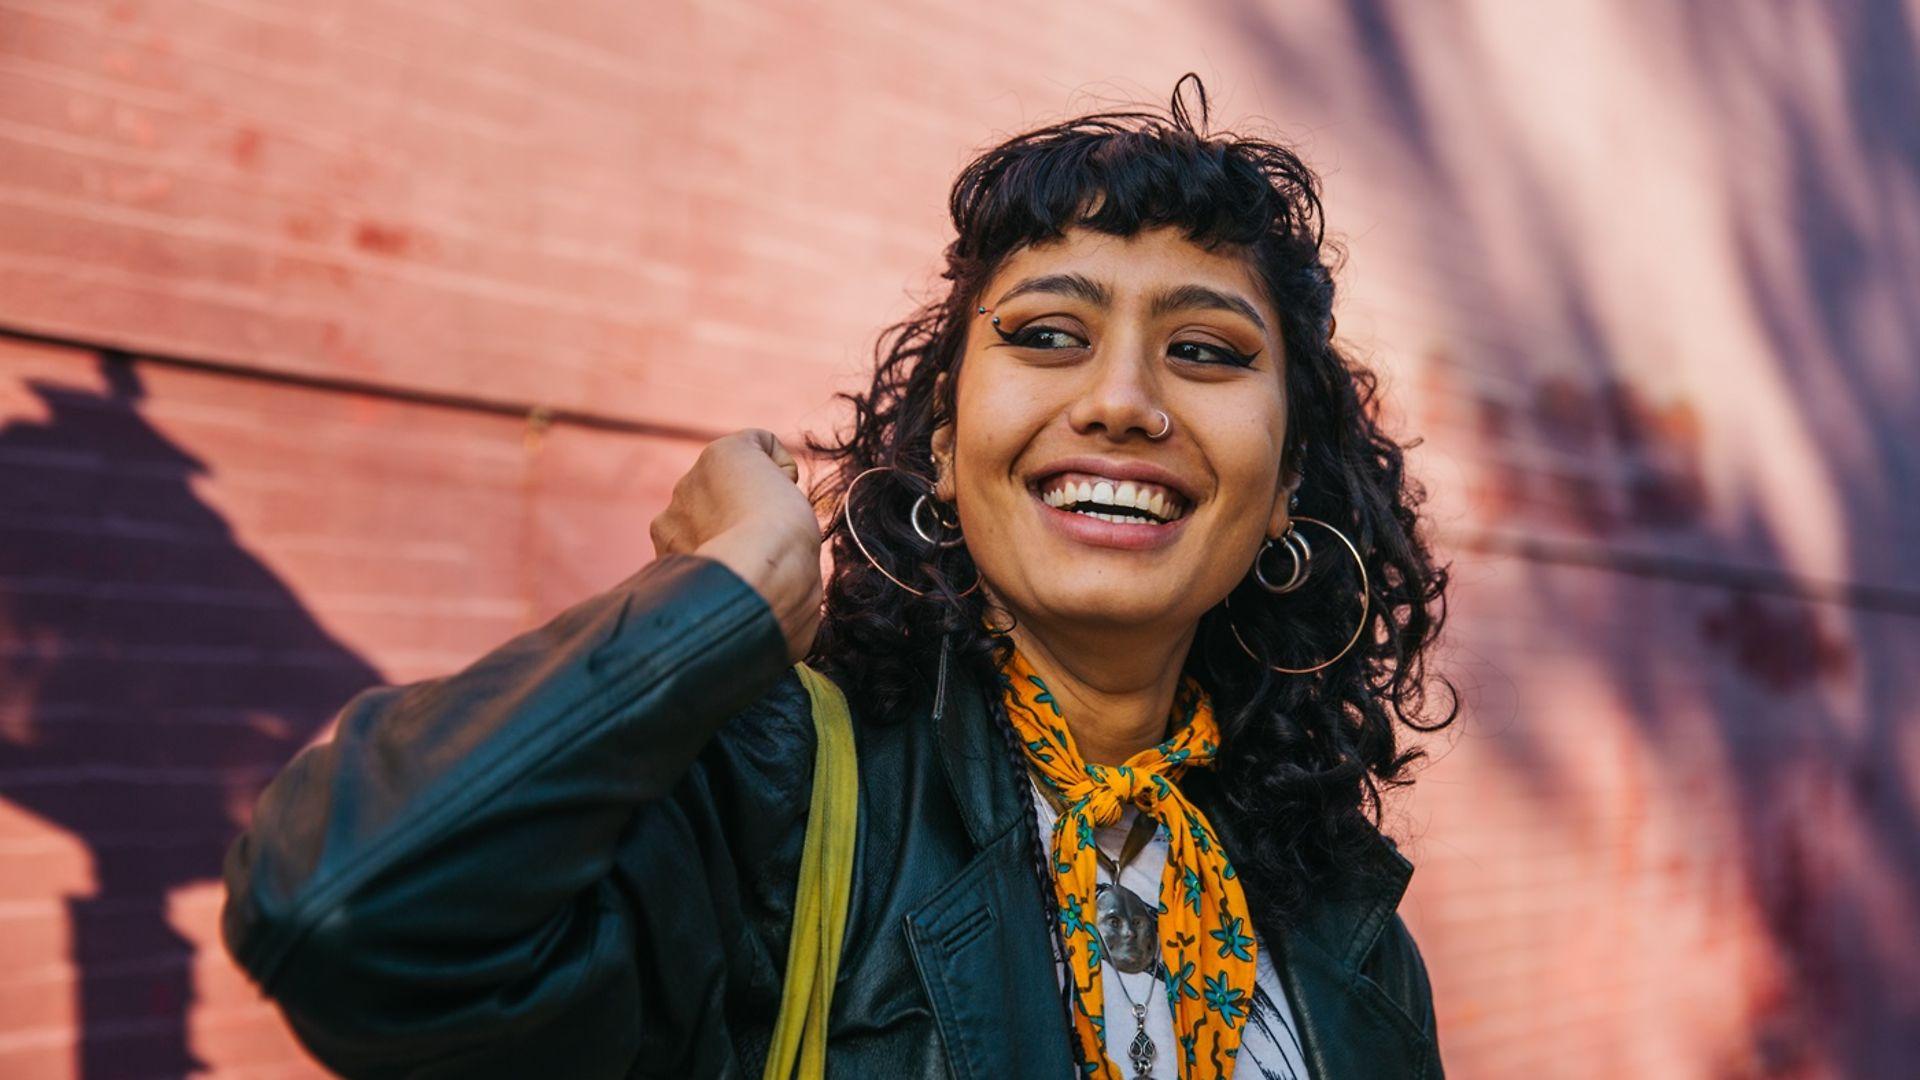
[1121,396]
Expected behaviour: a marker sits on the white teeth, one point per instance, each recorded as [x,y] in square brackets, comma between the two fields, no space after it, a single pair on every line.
[1119,519]
[1158,502]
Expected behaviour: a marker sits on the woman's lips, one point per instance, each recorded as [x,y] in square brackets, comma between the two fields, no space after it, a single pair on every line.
[1109,534]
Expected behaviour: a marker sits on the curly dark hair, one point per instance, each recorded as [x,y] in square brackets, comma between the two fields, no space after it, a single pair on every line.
[1304,758]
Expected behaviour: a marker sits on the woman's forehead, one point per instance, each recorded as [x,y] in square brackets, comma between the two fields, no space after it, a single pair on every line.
[1107,270]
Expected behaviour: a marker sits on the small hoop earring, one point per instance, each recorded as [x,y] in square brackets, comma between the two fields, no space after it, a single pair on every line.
[1295,545]
[846,515]
[1165,426]
[1365,605]
[1299,540]
[925,502]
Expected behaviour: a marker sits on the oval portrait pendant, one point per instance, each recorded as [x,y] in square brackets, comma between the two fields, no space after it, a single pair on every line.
[1129,928]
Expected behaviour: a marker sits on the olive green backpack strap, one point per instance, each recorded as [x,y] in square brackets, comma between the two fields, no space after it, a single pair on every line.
[820,902]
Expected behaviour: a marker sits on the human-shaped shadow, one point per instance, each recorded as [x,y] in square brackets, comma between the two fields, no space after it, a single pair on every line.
[157,675]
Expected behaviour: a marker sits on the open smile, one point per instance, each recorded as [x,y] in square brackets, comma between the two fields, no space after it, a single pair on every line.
[1120,501]
[1111,512]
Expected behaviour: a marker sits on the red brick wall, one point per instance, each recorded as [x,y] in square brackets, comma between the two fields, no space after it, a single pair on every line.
[280,283]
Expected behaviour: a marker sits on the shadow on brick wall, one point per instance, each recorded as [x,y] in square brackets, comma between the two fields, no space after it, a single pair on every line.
[158,675]
[1738,676]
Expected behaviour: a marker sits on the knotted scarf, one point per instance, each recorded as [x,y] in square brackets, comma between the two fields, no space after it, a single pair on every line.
[1206,937]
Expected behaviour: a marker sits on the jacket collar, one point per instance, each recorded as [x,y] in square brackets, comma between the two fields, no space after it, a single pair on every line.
[1343,922]
[972,753]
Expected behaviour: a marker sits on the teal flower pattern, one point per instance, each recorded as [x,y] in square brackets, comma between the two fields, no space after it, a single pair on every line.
[1226,1000]
[1232,941]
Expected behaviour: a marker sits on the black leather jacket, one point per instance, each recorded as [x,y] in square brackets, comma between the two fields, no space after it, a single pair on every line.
[576,858]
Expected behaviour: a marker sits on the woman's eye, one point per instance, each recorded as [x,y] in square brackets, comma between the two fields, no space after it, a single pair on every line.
[1053,338]
[1041,337]
[1208,353]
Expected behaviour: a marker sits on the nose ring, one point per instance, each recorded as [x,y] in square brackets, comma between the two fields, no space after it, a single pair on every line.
[1166,425]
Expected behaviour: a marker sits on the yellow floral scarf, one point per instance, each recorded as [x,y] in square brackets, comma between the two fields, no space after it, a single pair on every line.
[1207,946]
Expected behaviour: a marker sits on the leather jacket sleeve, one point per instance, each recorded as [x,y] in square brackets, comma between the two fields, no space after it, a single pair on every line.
[434,891]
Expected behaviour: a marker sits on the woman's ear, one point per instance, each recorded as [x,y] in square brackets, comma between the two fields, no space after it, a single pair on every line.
[942,446]
[1277,521]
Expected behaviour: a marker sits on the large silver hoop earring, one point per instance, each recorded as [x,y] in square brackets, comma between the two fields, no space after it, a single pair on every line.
[1365,604]
[925,503]
[846,515]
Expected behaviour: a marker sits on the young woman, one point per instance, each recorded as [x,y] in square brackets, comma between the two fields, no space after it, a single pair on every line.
[1128,598]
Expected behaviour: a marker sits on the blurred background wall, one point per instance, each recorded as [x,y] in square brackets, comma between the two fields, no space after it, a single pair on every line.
[340,340]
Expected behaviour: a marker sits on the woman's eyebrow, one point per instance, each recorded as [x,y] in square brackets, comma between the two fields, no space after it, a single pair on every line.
[1187,297]
[1078,286]
[1179,298]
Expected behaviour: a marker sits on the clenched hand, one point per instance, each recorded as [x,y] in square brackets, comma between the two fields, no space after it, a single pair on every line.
[741,504]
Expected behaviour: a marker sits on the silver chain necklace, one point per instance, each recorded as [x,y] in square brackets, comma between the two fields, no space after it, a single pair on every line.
[1141,1051]
[1128,928]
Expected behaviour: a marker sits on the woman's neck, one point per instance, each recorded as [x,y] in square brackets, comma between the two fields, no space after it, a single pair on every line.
[1115,695]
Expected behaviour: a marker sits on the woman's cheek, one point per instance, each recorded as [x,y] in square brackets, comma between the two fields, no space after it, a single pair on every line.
[1249,508]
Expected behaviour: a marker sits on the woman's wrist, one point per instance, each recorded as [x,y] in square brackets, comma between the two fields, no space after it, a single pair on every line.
[785,573]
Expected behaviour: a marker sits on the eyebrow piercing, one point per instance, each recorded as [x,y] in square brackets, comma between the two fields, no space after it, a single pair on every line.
[996,318]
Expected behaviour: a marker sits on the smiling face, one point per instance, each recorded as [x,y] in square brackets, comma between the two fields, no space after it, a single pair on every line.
[1072,512]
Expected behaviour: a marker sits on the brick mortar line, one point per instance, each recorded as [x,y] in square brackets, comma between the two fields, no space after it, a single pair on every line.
[533,413]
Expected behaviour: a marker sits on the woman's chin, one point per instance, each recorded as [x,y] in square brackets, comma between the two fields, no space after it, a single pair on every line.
[1101,605]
